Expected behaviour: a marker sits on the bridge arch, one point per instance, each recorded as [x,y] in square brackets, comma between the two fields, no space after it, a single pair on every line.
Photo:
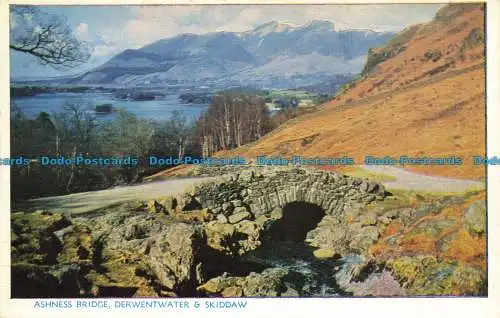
[297,219]
[259,192]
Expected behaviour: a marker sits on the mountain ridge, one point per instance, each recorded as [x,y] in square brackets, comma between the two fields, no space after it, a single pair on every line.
[231,56]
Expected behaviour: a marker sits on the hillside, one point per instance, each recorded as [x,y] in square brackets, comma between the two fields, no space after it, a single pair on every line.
[422,94]
[270,51]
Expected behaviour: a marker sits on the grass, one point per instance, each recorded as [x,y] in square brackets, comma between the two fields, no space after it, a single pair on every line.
[290,93]
[361,173]
[434,195]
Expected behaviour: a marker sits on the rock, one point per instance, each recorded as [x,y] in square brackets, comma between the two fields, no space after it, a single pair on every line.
[35,241]
[186,202]
[416,199]
[235,218]
[218,284]
[267,284]
[135,231]
[155,207]
[173,255]
[167,203]
[33,281]
[276,213]
[353,211]
[240,209]
[377,284]
[290,292]
[392,214]
[251,233]
[232,292]
[246,176]
[474,218]
[364,186]
[262,220]
[236,203]
[60,233]
[221,218]
[227,207]
[323,253]
[200,273]
[369,218]
[364,238]
[219,235]
[384,220]
[248,227]
[407,216]
[333,237]
[448,277]
[369,198]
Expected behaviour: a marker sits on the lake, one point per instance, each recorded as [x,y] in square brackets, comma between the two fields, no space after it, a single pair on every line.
[159,110]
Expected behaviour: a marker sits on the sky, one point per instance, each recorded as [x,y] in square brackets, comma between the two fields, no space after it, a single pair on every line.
[112,29]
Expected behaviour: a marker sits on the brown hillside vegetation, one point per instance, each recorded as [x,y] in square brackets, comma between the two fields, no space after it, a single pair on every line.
[422,94]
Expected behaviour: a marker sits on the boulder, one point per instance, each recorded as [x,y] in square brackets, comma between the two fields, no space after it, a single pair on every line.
[474,218]
[323,253]
[219,235]
[218,284]
[221,218]
[276,213]
[155,207]
[227,207]
[239,209]
[237,217]
[173,254]
[232,292]
[236,203]
[369,218]
[331,237]
[268,283]
[246,176]
[364,238]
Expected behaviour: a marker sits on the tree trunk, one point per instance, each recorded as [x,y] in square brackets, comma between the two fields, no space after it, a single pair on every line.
[58,153]
[181,149]
[72,175]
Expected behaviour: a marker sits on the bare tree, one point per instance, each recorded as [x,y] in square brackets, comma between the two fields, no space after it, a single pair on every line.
[232,120]
[75,128]
[46,37]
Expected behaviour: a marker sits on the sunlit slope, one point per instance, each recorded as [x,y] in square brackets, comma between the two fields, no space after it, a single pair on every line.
[427,99]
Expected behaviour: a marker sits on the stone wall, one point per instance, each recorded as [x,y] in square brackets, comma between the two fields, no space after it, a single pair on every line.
[261,191]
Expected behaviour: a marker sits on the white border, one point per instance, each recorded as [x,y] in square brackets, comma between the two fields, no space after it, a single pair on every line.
[329,307]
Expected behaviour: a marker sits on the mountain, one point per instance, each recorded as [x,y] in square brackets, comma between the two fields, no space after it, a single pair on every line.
[273,50]
[421,94]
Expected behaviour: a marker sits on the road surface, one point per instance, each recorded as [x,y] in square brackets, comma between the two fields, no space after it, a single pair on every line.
[90,201]
[414,181]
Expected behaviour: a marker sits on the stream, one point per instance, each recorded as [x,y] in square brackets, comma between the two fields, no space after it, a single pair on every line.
[307,274]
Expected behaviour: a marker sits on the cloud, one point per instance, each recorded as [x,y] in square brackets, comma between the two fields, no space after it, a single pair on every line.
[82,31]
[152,23]
[105,50]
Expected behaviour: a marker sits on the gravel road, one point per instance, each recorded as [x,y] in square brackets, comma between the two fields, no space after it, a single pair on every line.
[413,181]
[90,201]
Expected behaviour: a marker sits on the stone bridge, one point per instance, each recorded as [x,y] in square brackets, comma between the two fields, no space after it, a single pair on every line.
[239,206]
[260,192]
